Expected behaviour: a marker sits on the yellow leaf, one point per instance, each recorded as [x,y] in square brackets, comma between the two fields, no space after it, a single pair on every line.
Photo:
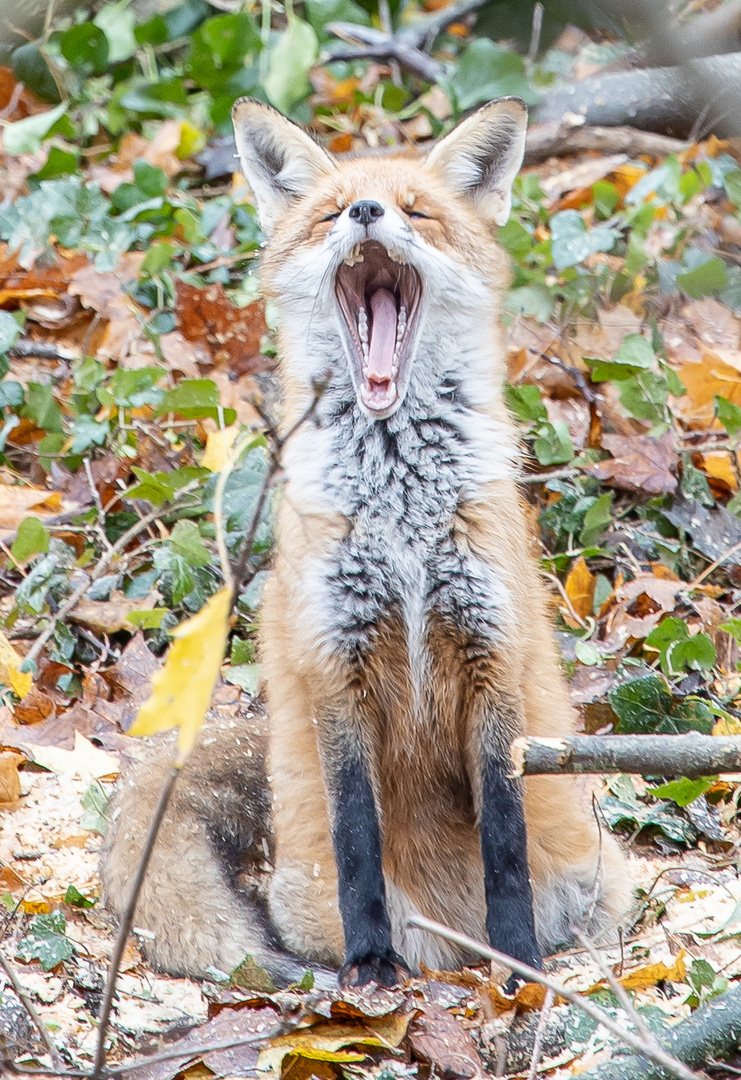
[218,445]
[317,1042]
[727,725]
[580,588]
[10,662]
[182,688]
[655,973]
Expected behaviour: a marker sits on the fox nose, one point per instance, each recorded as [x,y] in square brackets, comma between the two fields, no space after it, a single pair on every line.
[365,211]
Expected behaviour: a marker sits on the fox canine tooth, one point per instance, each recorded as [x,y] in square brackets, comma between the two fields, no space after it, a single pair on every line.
[397,257]
[355,256]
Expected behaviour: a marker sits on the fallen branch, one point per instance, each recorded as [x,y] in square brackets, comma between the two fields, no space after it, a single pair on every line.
[656,1053]
[709,1035]
[689,755]
[557,140]
[666,99]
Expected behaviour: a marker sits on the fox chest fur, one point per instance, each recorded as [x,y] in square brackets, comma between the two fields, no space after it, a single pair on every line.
[398,485]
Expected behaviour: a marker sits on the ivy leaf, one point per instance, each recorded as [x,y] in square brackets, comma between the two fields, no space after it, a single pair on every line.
[552,443]
[487,71]
[709,277]
[85,47]
[194,399]
[74,897]
[679,649]
[644,706]
[25,136]
[95,805]
[683,791]
[572,242]
[47,941]
[635,354]
[31,539]
[728,414]
[291,57]
[186,542]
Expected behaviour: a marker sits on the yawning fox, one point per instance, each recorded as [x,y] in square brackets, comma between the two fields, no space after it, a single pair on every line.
[404,635]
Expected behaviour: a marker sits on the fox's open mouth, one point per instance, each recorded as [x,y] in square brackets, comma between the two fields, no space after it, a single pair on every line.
[379,299]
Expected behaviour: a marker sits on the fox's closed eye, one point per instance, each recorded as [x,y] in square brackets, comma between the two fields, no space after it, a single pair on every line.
[332,217]
[417,214]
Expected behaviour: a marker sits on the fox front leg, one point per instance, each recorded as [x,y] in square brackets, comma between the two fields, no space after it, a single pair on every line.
[356,836]
[510,922]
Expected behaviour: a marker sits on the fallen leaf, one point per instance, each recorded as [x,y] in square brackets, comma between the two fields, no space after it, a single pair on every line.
[639,463]
[10,784]
[439,1039]
[109,616]
[727,725]
[35,707]
[10,661]
[232,334]
[651,974]
[16,501]
[323,1042]
[580,585]
[86,761]
[218,445]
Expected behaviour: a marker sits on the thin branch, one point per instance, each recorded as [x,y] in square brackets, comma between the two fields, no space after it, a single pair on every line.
[658,1055]
[239,568]
[550,997]
[127,919]
[173,1054]
[27,1004]
[617,988]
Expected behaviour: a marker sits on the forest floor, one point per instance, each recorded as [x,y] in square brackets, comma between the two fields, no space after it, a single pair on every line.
[135,351]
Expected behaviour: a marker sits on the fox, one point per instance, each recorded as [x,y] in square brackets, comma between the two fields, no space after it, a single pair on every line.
[405,639]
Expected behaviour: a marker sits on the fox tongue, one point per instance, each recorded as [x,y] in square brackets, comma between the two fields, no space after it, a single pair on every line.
[383,337]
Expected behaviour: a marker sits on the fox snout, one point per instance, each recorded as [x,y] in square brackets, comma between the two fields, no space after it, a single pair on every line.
[365,211]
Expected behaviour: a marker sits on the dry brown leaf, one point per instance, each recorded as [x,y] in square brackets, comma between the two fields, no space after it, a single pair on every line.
[10,784]
[651,974]
[16,502]
[232,334]
[580,585]
[438,1038]
[109,616]
[639,463]
[714,324]
[35,707]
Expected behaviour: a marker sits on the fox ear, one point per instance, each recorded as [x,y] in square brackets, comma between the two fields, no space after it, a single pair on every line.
[481,157]
[281,162]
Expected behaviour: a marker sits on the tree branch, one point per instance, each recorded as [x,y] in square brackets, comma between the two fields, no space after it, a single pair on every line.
[689,755]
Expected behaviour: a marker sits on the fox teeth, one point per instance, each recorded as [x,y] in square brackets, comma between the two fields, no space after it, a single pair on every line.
[397,257]
[355,256]
[401,323]
[363,325]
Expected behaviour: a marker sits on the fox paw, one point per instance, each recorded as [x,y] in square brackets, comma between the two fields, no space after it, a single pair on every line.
[387,970]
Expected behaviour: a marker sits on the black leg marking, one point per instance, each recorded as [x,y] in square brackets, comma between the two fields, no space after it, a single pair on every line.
[509,898]
[369,955]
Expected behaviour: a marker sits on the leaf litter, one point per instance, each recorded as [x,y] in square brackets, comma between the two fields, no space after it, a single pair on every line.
[135,348]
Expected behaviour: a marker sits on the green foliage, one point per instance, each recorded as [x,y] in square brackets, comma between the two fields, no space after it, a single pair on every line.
[487,71]
[31,539]
[95,804]
[77,899]
[680,651]
[684,791]
[572,242]
[46,941]
[645,706]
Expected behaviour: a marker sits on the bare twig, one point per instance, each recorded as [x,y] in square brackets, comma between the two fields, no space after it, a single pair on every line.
[713,566]
[100,521]
[545,1012]
[658,1055]
[617,988]
[197,1050]
[127,919]
[27,1004]
[239,568]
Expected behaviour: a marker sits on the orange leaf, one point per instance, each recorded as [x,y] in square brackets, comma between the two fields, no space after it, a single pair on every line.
[580,586]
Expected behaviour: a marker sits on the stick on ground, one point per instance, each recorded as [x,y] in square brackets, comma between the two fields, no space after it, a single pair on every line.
[689,755]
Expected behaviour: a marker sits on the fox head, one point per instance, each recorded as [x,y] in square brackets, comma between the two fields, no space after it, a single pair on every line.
[385,270]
